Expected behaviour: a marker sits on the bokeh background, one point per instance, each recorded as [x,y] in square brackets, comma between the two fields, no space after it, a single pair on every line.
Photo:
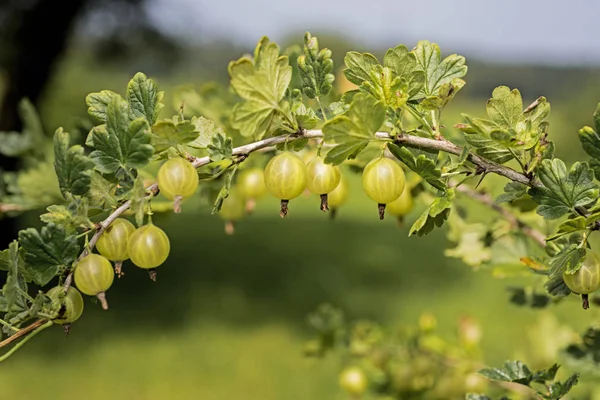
[227,318]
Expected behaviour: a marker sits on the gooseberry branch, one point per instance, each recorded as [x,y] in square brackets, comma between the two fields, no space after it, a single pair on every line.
[403,139]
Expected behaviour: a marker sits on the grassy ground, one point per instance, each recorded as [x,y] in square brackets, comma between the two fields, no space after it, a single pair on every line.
[226,319]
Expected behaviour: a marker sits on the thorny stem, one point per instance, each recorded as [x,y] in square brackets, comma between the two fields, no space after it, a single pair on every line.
[402,139]
[40,327]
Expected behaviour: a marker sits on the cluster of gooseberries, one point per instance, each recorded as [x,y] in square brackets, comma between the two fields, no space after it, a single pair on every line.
[147,247]
[287,176]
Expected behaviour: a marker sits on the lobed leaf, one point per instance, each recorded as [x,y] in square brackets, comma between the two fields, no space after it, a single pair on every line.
[435,215]
[421,164]
[121,143]
[563,191]
[170,133]
[48,251]
[144,98]
[72,166]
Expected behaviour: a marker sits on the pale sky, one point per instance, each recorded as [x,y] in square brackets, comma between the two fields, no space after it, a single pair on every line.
[551,31]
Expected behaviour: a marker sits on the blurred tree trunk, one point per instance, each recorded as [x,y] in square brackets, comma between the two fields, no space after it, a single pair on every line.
[39,37]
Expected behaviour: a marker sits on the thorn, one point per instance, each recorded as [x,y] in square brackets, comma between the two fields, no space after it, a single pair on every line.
[381,210]
[177,204]
[153,274]
[324,204]
[480,180]
[102,298]
[284,208]
[119,269]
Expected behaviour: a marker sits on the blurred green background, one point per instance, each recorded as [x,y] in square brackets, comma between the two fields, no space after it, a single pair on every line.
[227,317]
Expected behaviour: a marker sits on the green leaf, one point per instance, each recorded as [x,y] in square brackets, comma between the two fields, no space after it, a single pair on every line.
[101,193]
[544,375]
[512,371]
[359,66]
[512,191]
[206,129]
[435,215]
[221,148]
[31,141]
[14,144]
[224,192]
[72,166]
[437,71]
[315,68]
[569,226]
[403,64]
[568,260]
[558,390]
[555,286]
[71,218]
[48,251]
[262,83]
[98,103]
[169,133]
[122,144]
[139,200]
[470,247]
[563,191]
[505,107]
[354,130]
[144,98]
[422,165]
[25,188]
[508,126]
[15,285]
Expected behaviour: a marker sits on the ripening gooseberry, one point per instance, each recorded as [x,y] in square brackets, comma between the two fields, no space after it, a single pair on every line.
[339,195]
[401,206]
[383,181]
[232,209]
[112,244]
[72,301]
[587,278]
[251,183]
[285,178]
[148,246]
[353,381]
[93,276]
[322,179]
[177,180]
